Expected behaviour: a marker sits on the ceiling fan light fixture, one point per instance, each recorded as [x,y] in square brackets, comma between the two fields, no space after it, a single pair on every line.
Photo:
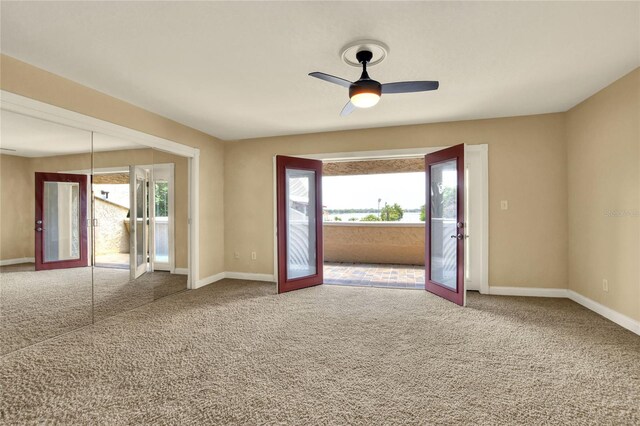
[365,99]
[365,92]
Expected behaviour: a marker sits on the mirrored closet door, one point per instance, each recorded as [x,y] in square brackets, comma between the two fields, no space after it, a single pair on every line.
[91,226]
[45,271]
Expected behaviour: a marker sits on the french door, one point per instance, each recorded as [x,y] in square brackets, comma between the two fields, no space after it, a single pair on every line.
[299,222]
[138,221]
[444,224]
[61,221]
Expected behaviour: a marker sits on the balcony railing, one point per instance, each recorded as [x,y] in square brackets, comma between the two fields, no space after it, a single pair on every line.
[374,242]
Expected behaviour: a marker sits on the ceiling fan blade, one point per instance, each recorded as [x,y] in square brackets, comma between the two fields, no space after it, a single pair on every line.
[331,79]
[409,86]
[348,109]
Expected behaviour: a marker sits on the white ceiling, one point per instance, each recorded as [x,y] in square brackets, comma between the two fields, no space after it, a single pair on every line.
[31,137]
[239,69]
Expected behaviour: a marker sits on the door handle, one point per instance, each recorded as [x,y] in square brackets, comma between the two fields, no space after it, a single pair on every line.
[459,236]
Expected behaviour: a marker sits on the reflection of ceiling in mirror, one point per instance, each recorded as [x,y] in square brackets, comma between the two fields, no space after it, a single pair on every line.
[31,137]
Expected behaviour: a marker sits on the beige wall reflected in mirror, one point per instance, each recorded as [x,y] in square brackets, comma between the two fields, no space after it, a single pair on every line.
[106,232]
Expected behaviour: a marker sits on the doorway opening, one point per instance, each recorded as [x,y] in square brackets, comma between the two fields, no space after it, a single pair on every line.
[373,220]
[456,238]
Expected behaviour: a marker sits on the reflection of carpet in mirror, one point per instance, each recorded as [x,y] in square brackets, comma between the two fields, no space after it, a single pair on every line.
[38,305]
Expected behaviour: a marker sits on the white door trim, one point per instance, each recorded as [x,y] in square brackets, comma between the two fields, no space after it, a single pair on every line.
[480,150]
[31,107]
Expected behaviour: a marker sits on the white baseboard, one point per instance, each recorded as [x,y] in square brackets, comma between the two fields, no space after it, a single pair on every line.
[233,275]
[181,271]
[17,261]
[615,316]
[250,277]
[208,280]
[528,291]
[620,319]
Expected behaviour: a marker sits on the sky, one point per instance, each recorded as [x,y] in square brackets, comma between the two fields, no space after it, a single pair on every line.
[363,191]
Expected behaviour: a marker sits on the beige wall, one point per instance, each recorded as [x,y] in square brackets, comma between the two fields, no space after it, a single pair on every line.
[401,245]
[603,142]
[16,208]
[26,80]
[527,167]
[19,196]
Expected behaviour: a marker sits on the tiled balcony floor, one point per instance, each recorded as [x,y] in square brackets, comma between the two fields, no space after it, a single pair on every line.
[374,275]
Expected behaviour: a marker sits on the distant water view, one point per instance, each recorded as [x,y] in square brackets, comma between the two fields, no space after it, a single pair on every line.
[353,197]
[407,217]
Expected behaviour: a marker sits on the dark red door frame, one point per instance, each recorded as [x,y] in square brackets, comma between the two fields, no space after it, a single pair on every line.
[40,179]
[282,164]
[457,296]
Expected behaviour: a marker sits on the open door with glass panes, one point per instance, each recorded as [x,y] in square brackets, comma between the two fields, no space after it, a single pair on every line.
[299,222]
[444,224]
[138,221]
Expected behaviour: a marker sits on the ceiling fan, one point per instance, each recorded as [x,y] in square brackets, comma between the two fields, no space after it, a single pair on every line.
[366,92]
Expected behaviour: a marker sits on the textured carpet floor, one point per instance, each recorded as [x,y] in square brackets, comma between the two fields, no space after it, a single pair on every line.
[237,353]
[38,305]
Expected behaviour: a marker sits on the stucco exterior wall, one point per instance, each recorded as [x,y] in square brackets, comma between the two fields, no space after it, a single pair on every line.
[392,244]
[111,234]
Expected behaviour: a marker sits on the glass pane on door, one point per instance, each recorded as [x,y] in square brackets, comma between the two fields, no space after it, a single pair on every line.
[61,221]
[444,209]
[140,225]
[301,223]
[161,230]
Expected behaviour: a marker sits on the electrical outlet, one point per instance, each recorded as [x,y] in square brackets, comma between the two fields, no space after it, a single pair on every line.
[504,205]
[236,254]
[253,255]
[605,285]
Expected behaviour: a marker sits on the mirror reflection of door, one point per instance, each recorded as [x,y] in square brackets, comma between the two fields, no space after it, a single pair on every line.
[138,221]
[161,212]
[61,221]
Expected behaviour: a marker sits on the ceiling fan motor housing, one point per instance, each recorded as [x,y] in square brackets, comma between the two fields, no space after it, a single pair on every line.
[365,86]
